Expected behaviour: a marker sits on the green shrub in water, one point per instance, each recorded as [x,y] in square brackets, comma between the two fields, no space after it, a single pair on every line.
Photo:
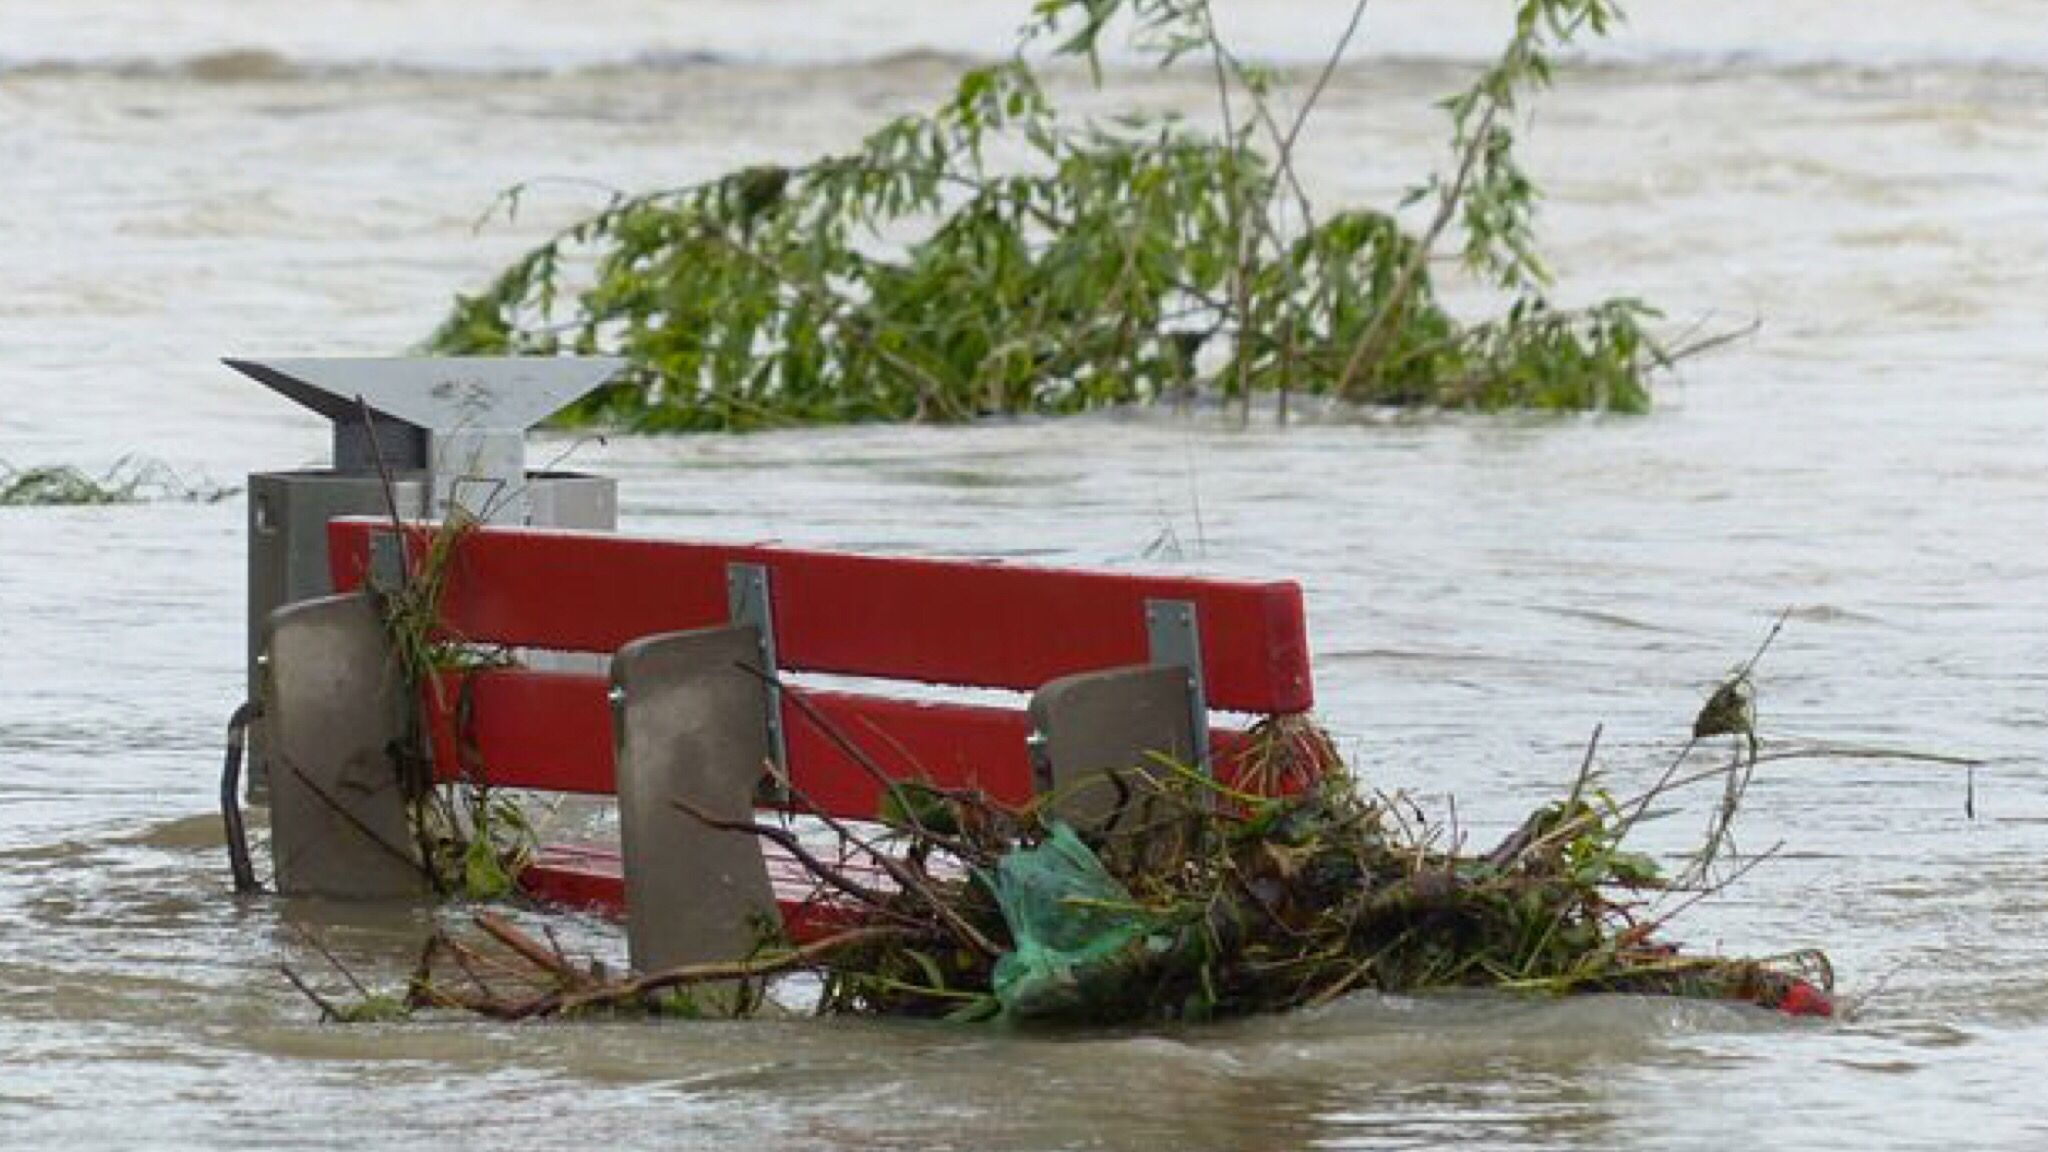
[995,257]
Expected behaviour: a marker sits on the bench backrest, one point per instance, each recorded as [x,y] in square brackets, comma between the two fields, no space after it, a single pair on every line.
[945,622]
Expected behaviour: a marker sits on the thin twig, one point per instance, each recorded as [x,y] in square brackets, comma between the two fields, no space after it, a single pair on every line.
[1284,147]
[383,470]
[327,1009]
[854,752]
[355,821]
[687,974]
[1854,752]
[1369,346]
[793,845]
[1679,352]
[1722,885]
[306,934]
[1585,776]
[539,955]
[903,876]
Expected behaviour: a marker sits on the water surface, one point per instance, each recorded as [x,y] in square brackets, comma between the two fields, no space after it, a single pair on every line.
[183,181]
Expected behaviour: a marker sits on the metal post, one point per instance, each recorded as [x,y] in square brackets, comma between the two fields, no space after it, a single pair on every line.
[1173,631]
[748,603]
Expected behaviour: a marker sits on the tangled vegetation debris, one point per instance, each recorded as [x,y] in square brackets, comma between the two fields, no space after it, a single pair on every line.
[996,257]
[128,482]
[1262,906]
[472,840]
[1193,898]
[1195,901]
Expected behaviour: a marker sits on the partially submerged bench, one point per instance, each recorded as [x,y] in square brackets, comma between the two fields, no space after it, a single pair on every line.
[698,635]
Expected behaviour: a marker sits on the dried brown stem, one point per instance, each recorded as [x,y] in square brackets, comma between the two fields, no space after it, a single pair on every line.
[532,950]
[326,1007]
[854,752]
[1372,345]
[809,955]
[790,843]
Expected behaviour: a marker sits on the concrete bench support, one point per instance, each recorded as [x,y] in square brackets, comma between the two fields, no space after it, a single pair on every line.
[1091,731]
[335,709]
[691,723]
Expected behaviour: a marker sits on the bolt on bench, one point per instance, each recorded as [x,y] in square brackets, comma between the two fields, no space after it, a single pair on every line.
[1119,667]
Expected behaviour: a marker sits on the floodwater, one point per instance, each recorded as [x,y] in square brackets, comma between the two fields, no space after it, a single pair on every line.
[180,181]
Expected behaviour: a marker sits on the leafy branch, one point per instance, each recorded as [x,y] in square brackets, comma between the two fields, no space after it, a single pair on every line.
[993,257]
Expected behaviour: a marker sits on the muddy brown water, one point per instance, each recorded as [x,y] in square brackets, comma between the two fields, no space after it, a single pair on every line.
[179,182]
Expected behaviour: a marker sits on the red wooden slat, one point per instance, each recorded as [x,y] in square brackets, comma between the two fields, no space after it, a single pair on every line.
[592,879]
[947,745]
[552,731]
[543,730]
[577,884]
[938,621]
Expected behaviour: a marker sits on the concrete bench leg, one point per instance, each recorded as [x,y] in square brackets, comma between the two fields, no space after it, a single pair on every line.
[690,723]
[1090,731]
[334,706]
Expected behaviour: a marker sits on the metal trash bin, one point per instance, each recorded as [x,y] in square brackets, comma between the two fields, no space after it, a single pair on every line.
[448,432]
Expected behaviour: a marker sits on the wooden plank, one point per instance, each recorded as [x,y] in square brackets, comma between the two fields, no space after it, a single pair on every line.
[983,624]
[525,729]
[551,731]
[592,879]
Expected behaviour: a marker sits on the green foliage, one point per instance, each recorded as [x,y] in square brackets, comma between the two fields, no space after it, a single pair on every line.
[62,484]
[992,257]
[127,482]
[475,840]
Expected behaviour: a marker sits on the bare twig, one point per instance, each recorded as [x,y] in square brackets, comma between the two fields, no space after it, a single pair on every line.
[383,470]
[580,992]
[354,821]
[1698,894]
[1585,775]
[903,876]
[890,785]
[1687,350]
[327,1009]
[1284,145]
[313,941]
[1371,345]
[792,844]
[806,956]
[533,951]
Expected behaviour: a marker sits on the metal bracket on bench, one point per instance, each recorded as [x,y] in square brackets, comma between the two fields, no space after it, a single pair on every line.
[1173,631]
[747,602]
[387,561]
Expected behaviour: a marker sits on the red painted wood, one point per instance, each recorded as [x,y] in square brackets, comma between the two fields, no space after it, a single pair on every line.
[946,622]
[940,621]
[551,731]
[526,729]
[946,745]
[580,884]
[593,880]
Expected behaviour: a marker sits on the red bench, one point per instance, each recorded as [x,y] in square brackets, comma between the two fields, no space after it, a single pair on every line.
[1220,644]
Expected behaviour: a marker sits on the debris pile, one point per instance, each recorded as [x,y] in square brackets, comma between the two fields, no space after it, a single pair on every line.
[1192,901]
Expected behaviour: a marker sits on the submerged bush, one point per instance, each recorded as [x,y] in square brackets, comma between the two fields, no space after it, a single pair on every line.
[128,482]
[995,257]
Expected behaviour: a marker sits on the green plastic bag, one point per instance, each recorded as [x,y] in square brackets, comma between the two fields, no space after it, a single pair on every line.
[1076,929]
